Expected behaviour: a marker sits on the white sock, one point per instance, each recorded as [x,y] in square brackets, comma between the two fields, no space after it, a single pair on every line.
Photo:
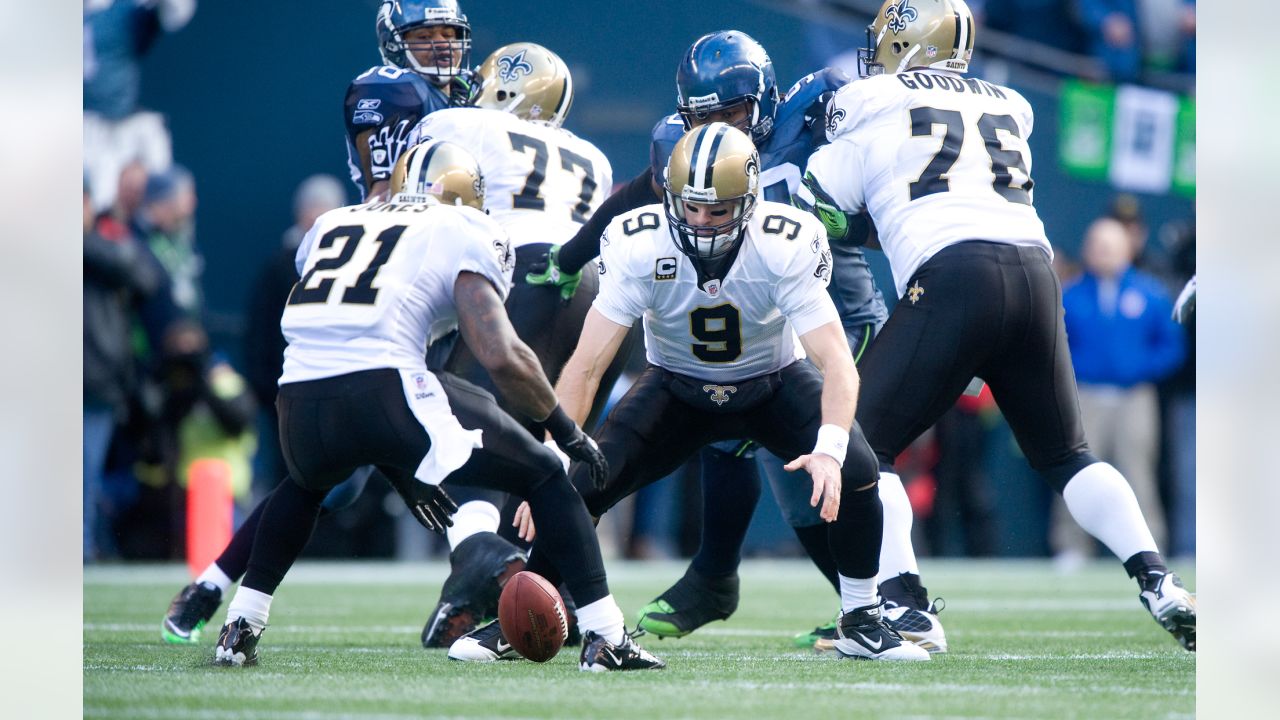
[473,518]
[896,554]
[604,618]
[1102,502]
[251,605]
[214,576]
[856,592]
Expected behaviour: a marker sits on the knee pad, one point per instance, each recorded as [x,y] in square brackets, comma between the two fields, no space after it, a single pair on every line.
[1059,474]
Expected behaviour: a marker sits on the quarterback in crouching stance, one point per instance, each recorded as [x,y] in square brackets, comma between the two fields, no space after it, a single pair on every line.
[725,284]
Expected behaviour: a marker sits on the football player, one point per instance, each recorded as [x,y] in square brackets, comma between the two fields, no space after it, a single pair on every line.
[426,48]
[379,282]
[727,76]
[543,183]
[941,163]
[726,283]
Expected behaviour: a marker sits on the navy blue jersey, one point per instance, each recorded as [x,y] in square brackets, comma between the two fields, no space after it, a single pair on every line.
[798,129]
[389,101]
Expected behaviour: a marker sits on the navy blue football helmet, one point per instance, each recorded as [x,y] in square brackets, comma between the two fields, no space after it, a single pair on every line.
[724,69]
[398,17]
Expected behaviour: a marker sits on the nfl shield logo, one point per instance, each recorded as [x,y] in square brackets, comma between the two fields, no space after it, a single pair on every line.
[420,381]
[712,287]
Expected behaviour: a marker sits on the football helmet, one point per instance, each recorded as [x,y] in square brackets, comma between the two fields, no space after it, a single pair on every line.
[711,164]
[724,69]
[918,33]
[398,17]
[440,170]
[528,81]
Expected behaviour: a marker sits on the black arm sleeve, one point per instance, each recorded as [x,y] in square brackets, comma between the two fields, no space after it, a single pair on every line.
[586,244]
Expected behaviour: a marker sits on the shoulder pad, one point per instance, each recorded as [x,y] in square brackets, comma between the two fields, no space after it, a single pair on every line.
[628,244]
[786,233]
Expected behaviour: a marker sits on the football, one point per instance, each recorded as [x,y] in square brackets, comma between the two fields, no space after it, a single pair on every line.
[532,616]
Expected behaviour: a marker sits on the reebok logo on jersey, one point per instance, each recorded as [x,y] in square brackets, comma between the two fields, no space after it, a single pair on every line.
[665,269]
[369,104]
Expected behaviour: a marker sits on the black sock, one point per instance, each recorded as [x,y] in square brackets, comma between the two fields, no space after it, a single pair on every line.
[1145,564]
[814,540]
[567,542]
[730,491]
[855,535]
[288,519]
[234,559]
[905,590]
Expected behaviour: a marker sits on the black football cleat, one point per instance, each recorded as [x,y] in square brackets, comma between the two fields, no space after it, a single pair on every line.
[190,610]
[694,601]
[238,644]
[479,568]
[600,655]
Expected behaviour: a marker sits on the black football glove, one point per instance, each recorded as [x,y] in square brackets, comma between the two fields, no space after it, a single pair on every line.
[463,89]
[577,445]
[430,504]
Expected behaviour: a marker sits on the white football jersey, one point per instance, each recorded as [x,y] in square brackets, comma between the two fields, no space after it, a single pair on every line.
[723,331]
[541,183]
[936,158]
[377,282]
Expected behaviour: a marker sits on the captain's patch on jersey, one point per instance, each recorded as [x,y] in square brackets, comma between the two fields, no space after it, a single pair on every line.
[665,269]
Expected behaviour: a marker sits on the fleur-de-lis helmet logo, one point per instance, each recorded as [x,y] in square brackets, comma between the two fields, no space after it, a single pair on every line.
[511,67]
[899,14]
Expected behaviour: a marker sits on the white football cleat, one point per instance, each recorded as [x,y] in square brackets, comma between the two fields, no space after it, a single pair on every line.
[918,626]
[1172,606]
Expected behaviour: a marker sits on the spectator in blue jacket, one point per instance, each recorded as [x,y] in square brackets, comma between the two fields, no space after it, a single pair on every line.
[1112,30]
[1123,341]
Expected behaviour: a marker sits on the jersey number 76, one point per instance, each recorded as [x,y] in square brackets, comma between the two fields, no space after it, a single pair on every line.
[933,178]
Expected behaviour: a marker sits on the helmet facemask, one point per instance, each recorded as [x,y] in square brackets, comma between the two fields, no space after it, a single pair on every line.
[707,242]
[700,114]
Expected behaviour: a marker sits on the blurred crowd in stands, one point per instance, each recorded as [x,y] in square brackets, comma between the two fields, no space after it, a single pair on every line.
[158,396]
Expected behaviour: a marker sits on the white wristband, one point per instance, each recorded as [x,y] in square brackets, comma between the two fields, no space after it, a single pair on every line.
[833,441]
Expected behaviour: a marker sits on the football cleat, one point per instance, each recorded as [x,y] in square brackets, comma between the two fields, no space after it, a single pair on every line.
[820,638]
[862,634]
[1172,606]
[238,644]
[484,644]
[600,655]
[479,567]
[694,601]
[190,610]
[918,626]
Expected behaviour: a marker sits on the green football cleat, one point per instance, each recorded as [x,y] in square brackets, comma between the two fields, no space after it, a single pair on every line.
[694,601]
[820,638]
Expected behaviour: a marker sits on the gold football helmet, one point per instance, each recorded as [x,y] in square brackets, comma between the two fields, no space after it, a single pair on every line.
[711,166]
[919,33]
[528,81]
[440,170]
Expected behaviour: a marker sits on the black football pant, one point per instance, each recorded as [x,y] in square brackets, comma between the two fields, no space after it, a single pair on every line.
[550,327]
[329,427]
[986,310]
[651,432]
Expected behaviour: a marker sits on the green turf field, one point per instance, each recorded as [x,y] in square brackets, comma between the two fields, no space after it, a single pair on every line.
[344,643]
